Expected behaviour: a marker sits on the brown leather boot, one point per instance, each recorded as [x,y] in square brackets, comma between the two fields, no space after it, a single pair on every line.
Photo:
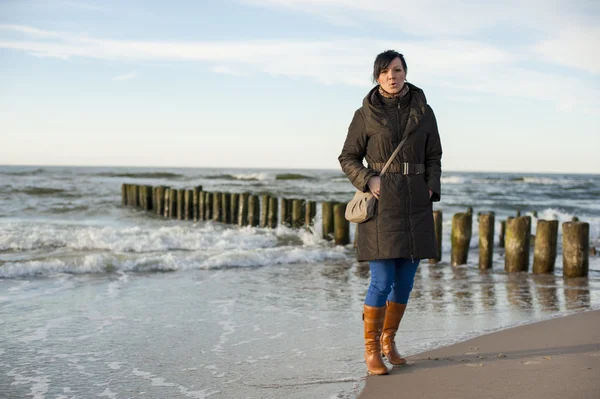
[393,315]
[373,321]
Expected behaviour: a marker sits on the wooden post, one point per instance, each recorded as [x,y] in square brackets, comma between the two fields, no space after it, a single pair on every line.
[188,205]
[518,233]
[217,208]
[342,226]
[253,210]
[328,226]
[196,203]
[234,208]
[145,200]
[173,197]
[576,249]
[226,206]
[264,210]
[502,233]
[298,211]
[273,213]
[202,205]
[311,212]
[123,194]
[208,205]
[180,203]
[243,210]
[437,223]
[462,227]
[140,191]
[149,200]
[160,200]
[286,212]
[167,202]
[544,252]
[135,201]
[486,240]
[154,200]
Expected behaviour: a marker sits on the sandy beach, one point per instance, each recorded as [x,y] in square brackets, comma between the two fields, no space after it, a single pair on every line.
[557,358]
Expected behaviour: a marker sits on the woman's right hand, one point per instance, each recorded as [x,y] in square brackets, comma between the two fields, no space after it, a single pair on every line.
[374,184]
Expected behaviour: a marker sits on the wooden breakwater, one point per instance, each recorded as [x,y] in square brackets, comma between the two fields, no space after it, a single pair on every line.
[243,209]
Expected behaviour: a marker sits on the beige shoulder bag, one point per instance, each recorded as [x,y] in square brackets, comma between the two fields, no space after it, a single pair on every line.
[362,206]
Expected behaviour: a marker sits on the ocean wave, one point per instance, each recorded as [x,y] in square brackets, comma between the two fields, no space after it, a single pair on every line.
[542,180]
[242,177]
[453,180]
[149,238]
[67,209]
[40,191]
[293,176]
[27,237]
[144,175]
[168,262]
[34,172]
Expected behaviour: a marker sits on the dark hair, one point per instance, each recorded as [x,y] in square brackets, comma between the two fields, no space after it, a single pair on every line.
[384,59]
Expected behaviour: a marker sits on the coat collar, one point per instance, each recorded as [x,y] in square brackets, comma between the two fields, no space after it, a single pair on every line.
[375,114]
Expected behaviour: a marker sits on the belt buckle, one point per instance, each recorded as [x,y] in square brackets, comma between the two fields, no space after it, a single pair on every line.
[404,168]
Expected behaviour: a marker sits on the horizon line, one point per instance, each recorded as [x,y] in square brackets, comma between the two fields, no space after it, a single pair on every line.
[283,168]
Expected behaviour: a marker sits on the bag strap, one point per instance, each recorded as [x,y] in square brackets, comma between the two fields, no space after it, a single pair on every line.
[394,154]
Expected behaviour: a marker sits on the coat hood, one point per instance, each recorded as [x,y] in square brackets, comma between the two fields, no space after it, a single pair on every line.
[374,113]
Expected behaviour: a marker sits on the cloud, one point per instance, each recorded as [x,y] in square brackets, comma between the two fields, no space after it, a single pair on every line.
[557,31]
[80,4]
[468,66]
[572,46]
[227,70]
[126,76]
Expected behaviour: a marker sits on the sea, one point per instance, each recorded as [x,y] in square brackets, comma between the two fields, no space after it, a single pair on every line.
[98,300]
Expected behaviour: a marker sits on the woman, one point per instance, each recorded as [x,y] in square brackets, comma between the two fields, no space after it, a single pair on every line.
[402,231]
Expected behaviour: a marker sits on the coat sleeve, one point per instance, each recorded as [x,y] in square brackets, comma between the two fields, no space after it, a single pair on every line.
[353,152]
[433,157]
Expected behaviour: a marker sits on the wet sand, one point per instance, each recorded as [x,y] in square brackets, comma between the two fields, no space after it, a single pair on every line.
[557,358]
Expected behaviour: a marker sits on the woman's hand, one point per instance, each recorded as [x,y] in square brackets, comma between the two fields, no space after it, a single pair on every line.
[430,194]
[374,184]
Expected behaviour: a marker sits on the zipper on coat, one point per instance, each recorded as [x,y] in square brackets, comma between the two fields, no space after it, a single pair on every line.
[410,247]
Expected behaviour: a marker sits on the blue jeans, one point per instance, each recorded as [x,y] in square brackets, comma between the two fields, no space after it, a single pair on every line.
[392,280]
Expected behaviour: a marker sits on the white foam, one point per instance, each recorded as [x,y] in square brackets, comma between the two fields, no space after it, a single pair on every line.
[149,238]
[158,381]
[108,393]
[41,334]
[252,176]
[171,261]
[40,384]
[453,180]
[554,180]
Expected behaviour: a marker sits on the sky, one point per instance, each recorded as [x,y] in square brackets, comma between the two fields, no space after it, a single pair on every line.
[274,83]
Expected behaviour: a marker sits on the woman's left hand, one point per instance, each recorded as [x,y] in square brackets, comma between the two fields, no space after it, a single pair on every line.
[430,194]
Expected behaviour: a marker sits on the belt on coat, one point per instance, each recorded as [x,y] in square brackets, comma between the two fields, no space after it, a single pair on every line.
[404,168]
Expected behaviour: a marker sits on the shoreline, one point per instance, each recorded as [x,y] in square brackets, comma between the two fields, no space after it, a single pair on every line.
[555,358]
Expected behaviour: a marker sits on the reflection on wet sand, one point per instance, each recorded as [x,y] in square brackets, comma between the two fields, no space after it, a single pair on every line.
[487,290]
[518,290]
[545,292]
[461,289]
[577,293]
[442,288]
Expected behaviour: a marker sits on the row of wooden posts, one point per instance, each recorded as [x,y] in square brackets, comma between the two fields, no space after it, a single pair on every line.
[251,210]
[516,239]
[240,209]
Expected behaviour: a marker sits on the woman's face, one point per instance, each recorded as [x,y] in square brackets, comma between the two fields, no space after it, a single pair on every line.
[392,78]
